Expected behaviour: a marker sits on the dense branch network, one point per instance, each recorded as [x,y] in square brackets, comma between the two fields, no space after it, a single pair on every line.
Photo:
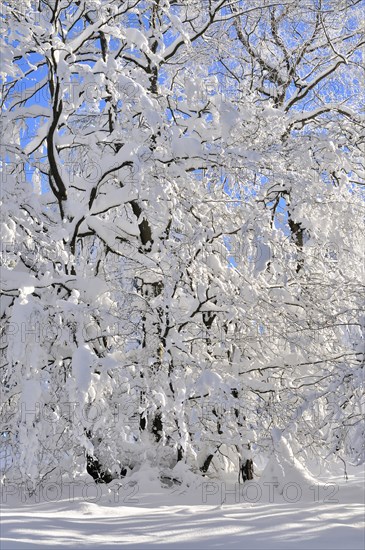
[183,241]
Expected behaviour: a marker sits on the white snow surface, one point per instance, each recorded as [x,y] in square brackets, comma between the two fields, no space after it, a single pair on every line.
[146,516]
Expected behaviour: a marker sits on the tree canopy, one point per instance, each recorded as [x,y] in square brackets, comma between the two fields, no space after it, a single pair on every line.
[183,208]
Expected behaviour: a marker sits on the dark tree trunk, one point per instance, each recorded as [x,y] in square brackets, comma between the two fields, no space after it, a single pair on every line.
[180,453]
[246,471]
[157,427]
[206,464]
[96,471]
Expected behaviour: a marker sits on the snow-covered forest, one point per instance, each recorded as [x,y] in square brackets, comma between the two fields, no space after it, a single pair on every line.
[182,231]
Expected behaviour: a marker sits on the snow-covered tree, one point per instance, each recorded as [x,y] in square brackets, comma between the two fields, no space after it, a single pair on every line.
[182,234]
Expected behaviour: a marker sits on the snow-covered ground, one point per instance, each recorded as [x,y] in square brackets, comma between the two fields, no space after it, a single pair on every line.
[305,516]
